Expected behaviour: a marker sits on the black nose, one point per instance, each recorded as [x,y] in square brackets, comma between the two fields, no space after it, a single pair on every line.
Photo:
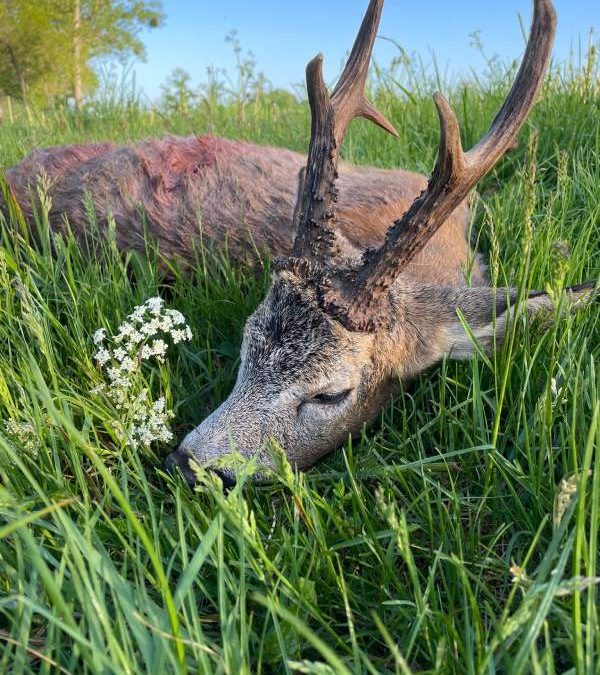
[179,462]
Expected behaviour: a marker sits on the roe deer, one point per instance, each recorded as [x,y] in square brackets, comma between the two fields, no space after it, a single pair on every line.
[339,326]
[364,296]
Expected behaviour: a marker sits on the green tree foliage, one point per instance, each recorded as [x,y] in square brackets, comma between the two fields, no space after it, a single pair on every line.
[48,48]
[30,62]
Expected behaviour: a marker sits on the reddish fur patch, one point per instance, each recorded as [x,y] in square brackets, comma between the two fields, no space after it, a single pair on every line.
[172,160]
[211,148]
[54,162]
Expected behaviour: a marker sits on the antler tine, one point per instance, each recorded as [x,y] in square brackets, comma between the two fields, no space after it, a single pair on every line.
[348,98]
[455,173]
[330,117]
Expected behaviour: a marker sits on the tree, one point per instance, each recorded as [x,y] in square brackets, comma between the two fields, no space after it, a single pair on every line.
[106,28]
[48,48]
[30,58]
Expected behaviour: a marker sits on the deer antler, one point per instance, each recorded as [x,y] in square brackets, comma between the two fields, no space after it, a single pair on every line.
[354,294]
[330,118]
[456,172]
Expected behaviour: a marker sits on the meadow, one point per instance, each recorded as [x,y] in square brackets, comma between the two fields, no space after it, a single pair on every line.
[458,535]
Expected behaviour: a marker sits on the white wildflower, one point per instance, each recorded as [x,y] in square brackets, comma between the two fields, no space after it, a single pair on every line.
[143,337]
[146,352]
[120,353]
[128,365]
[102,356]
[159,405]
[125,331]
[178,336]
[24,433]
[176,316]
[138,314]
[151,425]
[99,336]
[154,305]
[126,328]
[165,324]
[151,328]
[113,373]
[181,335]
[159,349]
[165,435]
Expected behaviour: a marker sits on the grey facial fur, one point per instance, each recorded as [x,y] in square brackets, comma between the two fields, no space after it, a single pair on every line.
[303,381]
[308,383]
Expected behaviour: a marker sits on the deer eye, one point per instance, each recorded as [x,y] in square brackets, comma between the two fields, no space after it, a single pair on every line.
[331,399]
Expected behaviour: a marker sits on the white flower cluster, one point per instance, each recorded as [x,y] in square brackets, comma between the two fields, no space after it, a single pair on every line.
[141,338]
[150,421]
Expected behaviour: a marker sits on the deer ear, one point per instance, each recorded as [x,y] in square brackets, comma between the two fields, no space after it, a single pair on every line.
[481,316]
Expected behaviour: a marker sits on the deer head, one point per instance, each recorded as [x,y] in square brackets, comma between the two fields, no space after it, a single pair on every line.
[339,328]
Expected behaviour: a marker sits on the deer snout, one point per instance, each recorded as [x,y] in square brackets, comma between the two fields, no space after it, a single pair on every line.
[179,462]
[200,448]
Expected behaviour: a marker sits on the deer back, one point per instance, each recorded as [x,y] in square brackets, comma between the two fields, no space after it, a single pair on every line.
[224,192]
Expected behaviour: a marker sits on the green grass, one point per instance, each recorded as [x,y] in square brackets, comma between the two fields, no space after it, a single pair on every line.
[432,544]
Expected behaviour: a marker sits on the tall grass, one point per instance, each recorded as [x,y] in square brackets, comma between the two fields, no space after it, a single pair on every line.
[459,535]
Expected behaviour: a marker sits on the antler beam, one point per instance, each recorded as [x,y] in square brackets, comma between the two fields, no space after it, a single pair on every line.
[455,174]
[331,115]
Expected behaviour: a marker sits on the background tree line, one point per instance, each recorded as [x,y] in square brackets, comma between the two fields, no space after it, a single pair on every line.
[48,47]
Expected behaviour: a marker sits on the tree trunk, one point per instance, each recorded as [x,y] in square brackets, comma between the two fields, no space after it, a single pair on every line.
[17,69]
[77,66]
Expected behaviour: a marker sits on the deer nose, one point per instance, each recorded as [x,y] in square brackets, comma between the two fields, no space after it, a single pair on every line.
[179,461]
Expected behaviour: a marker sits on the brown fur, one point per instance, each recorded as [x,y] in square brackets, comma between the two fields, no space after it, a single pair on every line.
[230,191]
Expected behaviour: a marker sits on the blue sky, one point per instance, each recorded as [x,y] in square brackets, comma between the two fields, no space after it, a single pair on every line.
[284,35]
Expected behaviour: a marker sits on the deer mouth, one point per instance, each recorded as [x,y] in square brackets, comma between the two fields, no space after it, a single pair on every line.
[178,462]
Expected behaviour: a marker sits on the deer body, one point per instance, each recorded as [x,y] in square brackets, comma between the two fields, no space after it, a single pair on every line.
[182,190]
[372,286]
